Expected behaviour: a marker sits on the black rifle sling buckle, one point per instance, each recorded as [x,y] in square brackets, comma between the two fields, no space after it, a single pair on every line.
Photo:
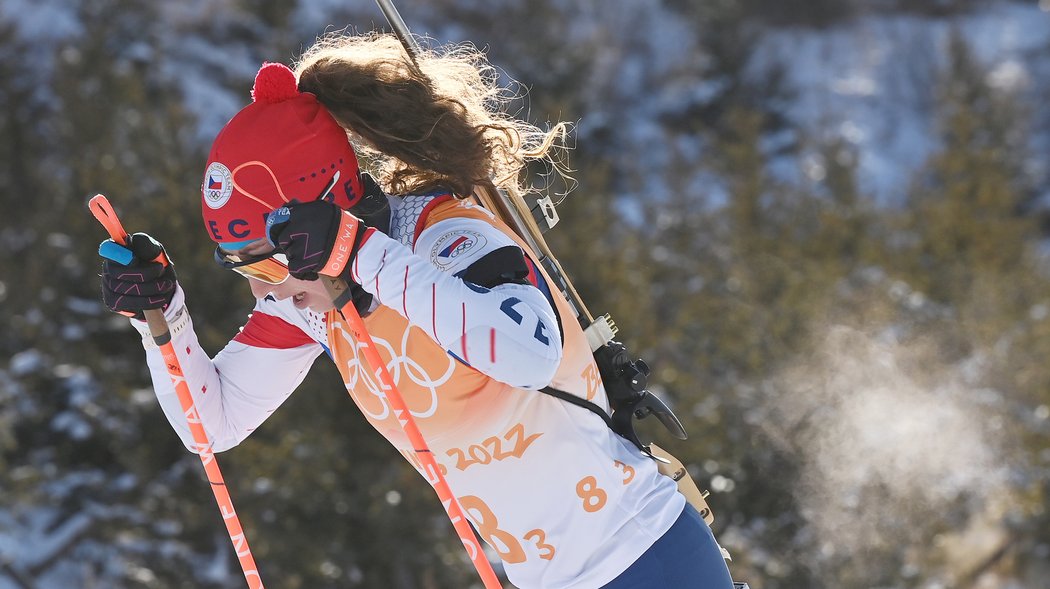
[625,381]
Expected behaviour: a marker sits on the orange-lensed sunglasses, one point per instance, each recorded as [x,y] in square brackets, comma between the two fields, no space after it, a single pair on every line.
[270,268]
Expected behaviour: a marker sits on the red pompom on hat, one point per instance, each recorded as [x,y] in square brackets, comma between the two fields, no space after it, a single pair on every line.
[283,146]
[274,83]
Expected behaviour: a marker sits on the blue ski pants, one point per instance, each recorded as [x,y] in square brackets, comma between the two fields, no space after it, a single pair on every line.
[686,557]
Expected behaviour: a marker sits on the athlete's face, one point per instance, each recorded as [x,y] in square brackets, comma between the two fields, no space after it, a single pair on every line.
[305,294]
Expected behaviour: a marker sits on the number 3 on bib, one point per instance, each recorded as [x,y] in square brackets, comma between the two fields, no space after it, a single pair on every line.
[504,543]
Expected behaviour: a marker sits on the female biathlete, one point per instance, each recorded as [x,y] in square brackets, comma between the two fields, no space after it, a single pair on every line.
[465,319]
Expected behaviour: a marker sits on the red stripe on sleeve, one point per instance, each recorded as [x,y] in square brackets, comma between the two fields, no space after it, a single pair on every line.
[268,331]
[382,262]
[354,273]
[492,345]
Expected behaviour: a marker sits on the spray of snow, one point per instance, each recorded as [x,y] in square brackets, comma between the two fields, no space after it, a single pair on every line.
[894,448]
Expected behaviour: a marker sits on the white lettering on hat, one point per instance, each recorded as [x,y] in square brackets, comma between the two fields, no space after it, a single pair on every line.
[218,185]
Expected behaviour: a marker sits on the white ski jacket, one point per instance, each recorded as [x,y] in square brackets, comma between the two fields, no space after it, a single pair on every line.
[564,501]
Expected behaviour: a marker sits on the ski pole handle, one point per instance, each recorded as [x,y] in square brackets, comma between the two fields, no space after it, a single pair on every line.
[158,328]
[340,295]
[103,211]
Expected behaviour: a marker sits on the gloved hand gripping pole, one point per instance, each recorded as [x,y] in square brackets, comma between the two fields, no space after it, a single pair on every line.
[341,297]
[158,328]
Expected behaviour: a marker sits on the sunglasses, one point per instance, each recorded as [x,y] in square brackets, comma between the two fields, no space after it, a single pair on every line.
[271,268]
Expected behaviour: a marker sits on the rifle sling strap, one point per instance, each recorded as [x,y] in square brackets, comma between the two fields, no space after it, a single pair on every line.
[627,432]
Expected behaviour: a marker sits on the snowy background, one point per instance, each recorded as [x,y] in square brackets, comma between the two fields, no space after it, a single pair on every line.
[864,416]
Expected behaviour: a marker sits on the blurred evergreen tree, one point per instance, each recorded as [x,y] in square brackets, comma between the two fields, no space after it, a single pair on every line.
[719,272]
[974,239]
[977,248]
[324,505]
[80,471]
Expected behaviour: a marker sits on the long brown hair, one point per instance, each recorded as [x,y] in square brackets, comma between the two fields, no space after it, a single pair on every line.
[440,121]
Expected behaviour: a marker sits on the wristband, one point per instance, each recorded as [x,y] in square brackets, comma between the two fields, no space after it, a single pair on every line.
[343,248]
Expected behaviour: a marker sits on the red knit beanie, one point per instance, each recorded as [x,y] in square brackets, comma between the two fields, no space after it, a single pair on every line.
[284,145]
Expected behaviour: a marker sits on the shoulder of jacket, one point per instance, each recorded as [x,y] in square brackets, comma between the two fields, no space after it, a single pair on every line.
[412,214]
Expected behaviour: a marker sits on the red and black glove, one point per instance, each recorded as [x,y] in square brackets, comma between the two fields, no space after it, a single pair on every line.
[132,280]
[317,237]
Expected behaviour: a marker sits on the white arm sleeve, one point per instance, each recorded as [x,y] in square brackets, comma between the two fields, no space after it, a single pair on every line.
[234,393]
[508,332]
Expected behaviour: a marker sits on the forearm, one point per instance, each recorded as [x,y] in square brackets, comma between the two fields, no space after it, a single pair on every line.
[233,393]
[198,370]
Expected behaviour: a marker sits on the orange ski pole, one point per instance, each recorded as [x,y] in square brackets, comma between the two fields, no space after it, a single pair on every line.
[158,328]
[340,294]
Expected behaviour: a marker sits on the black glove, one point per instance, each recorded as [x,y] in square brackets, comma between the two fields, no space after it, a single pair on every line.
[136,282]
[318,237]
[374,206]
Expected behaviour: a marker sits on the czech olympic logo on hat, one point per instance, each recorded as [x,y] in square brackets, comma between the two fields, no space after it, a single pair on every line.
[218,185]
